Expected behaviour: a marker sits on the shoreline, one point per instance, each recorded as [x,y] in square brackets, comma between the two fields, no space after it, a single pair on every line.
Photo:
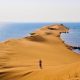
[67,31]
[32,33]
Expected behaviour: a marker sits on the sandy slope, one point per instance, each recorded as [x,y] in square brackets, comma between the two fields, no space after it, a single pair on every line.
[19,59]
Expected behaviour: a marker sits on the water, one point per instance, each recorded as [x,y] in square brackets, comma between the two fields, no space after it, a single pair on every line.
[73,37]
[19,30]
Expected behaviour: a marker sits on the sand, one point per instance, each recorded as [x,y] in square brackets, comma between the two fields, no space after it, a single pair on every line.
[19,58]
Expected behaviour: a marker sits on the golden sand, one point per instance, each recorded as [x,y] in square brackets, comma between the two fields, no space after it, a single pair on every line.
[19,58]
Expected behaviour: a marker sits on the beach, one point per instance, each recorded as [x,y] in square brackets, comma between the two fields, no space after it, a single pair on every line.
[19,58]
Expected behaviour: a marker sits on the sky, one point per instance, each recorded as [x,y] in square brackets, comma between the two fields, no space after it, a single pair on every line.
[39,10]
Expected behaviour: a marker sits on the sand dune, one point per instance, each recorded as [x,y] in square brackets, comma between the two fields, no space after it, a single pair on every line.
[19,58]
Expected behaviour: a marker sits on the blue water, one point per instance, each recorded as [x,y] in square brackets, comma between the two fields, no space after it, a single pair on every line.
[73,37]
[19,30]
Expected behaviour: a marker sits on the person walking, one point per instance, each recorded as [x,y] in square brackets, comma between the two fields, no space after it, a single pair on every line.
[40,64]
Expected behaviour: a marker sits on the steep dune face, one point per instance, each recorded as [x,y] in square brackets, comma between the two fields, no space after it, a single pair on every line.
[19,59]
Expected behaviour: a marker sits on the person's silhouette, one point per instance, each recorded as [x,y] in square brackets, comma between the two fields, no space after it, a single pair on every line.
[40,64]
